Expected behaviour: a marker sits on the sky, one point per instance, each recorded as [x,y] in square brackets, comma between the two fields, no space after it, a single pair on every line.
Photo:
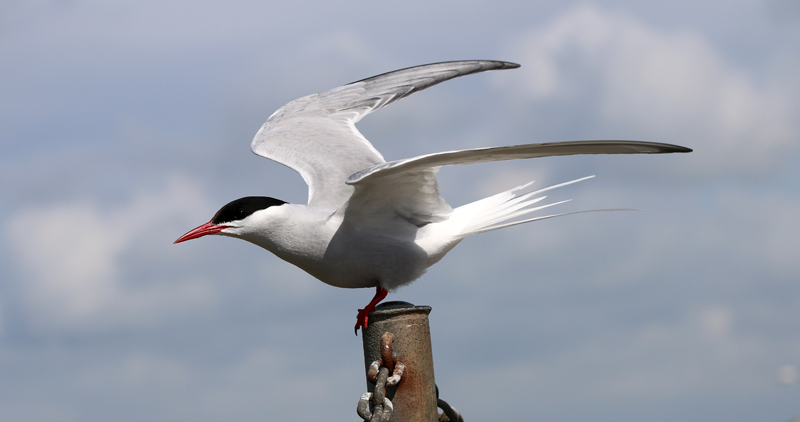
[125,124]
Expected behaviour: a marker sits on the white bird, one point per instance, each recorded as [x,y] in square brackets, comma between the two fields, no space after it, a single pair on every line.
[369,223]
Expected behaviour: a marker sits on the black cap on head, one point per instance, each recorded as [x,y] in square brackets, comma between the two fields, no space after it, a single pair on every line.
[242,207]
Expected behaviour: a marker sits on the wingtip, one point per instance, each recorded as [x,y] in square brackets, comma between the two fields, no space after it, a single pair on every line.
[657,147]
[677,148]
[673,148]
[662,148]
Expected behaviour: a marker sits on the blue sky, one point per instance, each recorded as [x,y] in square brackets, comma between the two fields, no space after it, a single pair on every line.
[125,124]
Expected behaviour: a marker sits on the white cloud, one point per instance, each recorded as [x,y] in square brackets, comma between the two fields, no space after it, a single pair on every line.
[69,251]
[672,86]
[788,374]
[71,255]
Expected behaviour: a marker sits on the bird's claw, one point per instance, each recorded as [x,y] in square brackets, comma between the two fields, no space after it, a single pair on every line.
[363,314]
[362,319]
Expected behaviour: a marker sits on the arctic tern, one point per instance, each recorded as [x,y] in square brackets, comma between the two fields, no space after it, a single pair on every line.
[372,223]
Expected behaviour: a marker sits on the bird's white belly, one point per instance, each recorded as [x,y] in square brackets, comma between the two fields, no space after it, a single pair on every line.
[366,260]
[346,253]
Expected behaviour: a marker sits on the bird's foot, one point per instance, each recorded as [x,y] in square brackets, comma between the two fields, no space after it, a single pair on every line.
[362,319]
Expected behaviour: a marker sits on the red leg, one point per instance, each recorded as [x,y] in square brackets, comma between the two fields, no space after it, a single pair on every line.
[363,314]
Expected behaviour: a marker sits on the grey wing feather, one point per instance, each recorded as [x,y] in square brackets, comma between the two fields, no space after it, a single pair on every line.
[412,195]
[316,135]
[481,155]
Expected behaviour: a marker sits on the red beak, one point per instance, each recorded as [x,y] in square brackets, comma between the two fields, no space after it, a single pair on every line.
[201,231]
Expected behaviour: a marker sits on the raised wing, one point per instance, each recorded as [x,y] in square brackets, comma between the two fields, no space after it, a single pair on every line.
[408,187]
[316,135]
[482,155]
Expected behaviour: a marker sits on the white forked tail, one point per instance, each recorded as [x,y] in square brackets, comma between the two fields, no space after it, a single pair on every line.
[497,211]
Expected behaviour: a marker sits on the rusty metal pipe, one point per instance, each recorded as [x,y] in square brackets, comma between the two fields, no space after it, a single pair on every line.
[414,398]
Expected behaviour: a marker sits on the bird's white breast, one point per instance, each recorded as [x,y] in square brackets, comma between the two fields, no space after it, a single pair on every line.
[338,250]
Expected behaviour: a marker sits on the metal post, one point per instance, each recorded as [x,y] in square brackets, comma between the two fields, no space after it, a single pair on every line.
[414,398]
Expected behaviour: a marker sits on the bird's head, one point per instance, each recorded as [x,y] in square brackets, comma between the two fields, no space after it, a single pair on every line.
[234,218]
